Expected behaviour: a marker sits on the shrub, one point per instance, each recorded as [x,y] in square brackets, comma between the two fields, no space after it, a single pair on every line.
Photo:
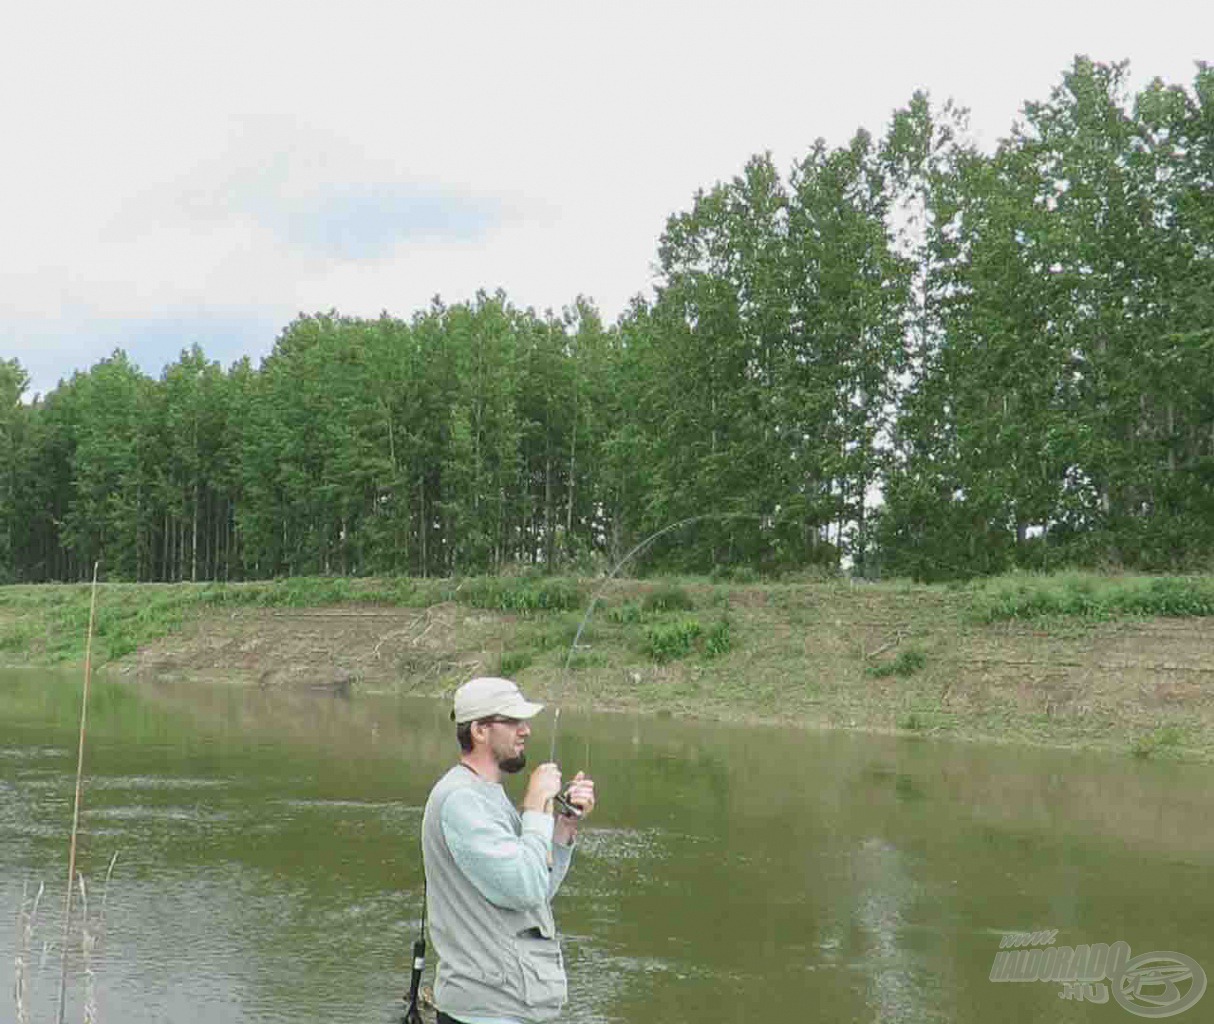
[519,594]
[1092,597]
[513,661]
[587,659]
[1161,741]
[18,637]
[626,614]
[907,663]
[668,598]
[666,641]
[719,640]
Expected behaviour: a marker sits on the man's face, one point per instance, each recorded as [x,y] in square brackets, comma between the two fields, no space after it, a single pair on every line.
[507,738]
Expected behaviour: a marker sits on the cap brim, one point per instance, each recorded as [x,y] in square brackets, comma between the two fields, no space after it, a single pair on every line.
[525,709]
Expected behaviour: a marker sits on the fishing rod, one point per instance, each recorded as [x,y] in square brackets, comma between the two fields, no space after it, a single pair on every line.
[772,518]
[413,999]
[564,806]
[71,862]
[413,1013]
[597,596]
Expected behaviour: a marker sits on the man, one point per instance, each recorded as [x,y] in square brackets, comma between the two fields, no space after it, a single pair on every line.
[491,872]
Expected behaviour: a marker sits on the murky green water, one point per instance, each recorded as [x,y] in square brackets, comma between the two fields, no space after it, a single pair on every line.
[268,862]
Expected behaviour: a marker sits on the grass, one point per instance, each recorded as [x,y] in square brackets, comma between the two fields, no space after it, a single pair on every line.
[666,641]
[1091,597]
[513,662]
[907,663]
[668,597]
[525,595]
[719,640]
[46,624]
[1108,662]
[1164,742]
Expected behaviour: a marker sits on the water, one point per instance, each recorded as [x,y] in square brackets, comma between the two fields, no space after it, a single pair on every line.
[268,866]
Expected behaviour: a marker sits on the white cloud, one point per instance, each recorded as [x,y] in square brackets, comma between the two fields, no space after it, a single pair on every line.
[239,162]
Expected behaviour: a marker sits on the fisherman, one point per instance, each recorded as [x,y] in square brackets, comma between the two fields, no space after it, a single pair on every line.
[491,872]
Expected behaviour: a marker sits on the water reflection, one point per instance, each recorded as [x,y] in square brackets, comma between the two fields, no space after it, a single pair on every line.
[269,869]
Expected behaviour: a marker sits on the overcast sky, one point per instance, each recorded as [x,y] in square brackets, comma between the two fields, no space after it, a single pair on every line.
[177,172]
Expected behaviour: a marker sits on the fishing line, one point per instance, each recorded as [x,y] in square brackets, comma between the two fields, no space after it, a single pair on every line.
[770,518]
[598,594]
[412,1011]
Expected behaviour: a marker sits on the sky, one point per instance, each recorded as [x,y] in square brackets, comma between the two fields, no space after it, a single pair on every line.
[179,173]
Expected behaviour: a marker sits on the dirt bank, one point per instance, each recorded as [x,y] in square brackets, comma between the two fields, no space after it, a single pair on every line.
[822,655]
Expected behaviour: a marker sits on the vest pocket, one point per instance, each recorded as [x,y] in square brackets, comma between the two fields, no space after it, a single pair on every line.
[543,975]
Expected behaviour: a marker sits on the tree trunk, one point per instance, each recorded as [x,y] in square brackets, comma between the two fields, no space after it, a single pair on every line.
[194,538]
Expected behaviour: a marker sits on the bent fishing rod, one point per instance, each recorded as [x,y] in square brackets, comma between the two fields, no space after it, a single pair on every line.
[598,594]
[413,1013]
[413,1000]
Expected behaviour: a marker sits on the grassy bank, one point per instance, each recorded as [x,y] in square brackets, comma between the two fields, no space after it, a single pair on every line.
[1110,662]
[47,625]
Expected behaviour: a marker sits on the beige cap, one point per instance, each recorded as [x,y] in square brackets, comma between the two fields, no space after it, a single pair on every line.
[487,696]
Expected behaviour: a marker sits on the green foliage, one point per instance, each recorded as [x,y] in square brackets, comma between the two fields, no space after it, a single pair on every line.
[906,663]
[1091,597]
[513,662]
[1055,417]
[629,613]
[719,639]
[588,659]
[734,573]
[668,598]
[1013,349]
[510,594]
[668,641]
[1163,742]
[18,638]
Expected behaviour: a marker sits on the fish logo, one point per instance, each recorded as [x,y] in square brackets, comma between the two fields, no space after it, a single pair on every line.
[1154,984]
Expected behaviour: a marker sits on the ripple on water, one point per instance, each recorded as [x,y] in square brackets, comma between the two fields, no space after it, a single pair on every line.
[616,844]
[153,782]
[388,806]
[176,814]
[31,753]
[599,976]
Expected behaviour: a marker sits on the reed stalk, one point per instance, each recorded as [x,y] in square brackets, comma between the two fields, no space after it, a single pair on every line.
[25,942]
[88,942]
[71,862]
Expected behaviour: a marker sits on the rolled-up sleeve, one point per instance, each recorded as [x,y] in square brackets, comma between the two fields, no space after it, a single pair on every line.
[509,870]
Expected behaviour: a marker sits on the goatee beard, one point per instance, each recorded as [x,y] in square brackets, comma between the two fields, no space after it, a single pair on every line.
[513,764]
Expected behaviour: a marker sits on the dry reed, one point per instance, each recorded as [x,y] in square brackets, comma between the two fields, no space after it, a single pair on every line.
[71,864]
[25,938]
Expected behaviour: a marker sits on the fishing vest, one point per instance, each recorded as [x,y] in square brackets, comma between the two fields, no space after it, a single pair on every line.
[492,961]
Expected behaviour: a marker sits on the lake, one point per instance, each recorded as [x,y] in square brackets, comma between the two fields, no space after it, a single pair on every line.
[268,864]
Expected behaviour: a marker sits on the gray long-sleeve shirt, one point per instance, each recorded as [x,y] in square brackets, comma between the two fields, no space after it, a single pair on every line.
[503,853]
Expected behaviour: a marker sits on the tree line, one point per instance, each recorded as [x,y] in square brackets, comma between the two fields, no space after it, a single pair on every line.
[906,355]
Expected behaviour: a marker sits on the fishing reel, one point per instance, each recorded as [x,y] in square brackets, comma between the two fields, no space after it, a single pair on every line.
[564,807]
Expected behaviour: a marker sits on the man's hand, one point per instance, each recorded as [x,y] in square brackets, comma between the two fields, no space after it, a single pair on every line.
[544,784]
[581,793]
